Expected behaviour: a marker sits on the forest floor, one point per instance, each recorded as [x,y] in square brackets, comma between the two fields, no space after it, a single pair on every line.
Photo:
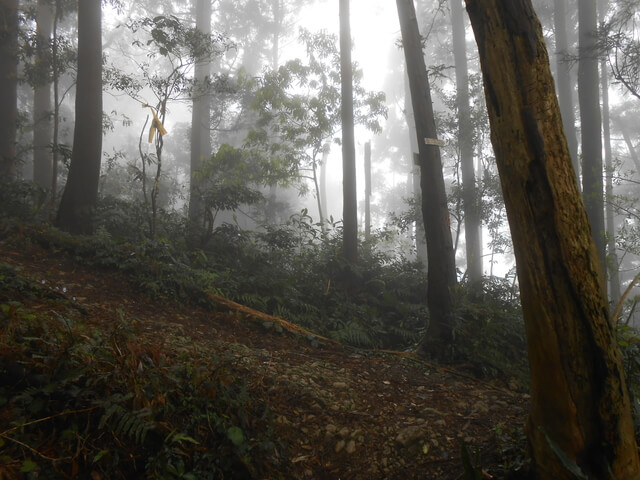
[340,412]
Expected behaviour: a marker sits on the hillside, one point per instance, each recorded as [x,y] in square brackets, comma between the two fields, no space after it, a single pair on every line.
[101,380]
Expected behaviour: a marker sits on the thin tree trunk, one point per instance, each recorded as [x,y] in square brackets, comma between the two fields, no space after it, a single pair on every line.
[465,140]
[591,124]
[441,271]
[580,407]
[367,190]
[563,81]
[42,108]
[8,88]
[278,17]
[350,200]
[612,256]
[55,72]
[323,179]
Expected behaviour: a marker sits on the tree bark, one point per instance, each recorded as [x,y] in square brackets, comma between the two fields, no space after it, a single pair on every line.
[580,406]
[591,124]
[350,200]
[8,87]
[200,129]
[77,205]
[563,81]
[472,223]
[441,276]
[42,107]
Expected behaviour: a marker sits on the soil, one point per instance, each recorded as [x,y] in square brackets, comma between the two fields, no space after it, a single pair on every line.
[343,413]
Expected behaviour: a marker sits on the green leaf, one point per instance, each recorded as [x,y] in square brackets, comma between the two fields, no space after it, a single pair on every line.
[28,466]
[236,435]
[99,455]
[181,437]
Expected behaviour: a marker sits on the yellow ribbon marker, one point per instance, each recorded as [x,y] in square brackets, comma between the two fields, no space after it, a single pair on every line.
[156,124]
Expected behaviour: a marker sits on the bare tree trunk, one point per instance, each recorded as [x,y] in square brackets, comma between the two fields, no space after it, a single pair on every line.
[42,108]
[580,408]
[472,223]
[612,256]
[441,275]
[350,200]
[200,129]
[80,195]
[563,81]
[367,190]
[326,148]
[55,72]
[8,87]
[591,125]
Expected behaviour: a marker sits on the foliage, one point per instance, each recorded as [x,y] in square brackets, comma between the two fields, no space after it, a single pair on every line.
[298,108]
[21,200]
[489,331]
[619,39]
[113,402]
[230,178]
[296,271]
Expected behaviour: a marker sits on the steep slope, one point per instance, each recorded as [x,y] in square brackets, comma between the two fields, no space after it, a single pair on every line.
[283,402]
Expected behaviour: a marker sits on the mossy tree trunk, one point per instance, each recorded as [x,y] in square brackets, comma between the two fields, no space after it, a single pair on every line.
[580,406]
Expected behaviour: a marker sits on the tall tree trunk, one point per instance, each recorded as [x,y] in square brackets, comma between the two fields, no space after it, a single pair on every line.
[55,72]
[367,190]
[415,191]
[277,9]
[465,140]
[590,124]
[612,255]
[8,87]
[563,81]
[580,407]
[200,129]
[441,275]
[42,108]
[350,200]
[77,205]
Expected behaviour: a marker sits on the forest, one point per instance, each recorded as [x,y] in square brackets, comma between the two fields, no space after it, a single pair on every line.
[316,239]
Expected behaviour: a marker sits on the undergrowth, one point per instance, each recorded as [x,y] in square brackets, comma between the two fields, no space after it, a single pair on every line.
[295,270]
[114,402]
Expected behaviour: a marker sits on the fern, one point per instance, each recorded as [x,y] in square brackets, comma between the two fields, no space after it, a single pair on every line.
[355,334]
[123,422]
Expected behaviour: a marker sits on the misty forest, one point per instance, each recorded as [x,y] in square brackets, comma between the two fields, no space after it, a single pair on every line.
[319,239]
